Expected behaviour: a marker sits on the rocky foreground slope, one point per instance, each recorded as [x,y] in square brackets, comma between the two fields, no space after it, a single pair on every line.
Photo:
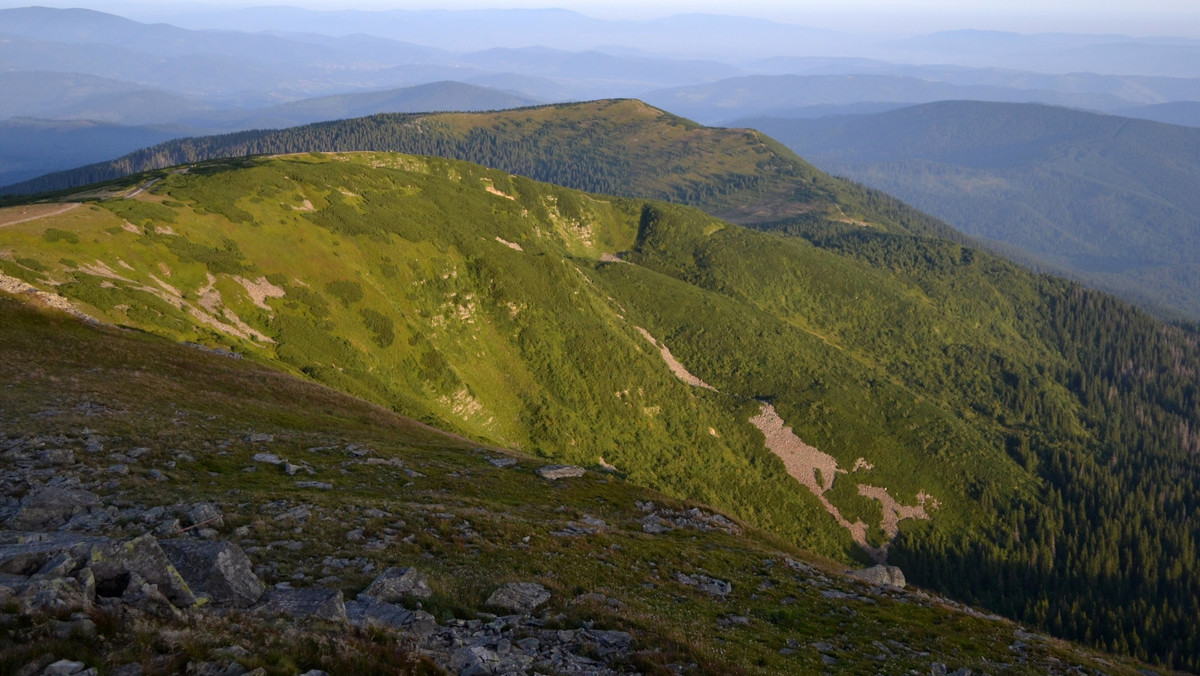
[172,510]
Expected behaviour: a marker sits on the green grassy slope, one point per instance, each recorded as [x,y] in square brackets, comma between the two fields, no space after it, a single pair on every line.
[492,305]
[1109,200]
[193,413]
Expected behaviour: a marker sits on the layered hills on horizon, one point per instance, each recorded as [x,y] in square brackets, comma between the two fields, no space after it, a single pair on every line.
[193,75]
[847,373]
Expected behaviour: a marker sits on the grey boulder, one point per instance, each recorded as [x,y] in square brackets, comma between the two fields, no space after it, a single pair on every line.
[519,597]
[883,576]
[219,569]
[396,584]
[113,562]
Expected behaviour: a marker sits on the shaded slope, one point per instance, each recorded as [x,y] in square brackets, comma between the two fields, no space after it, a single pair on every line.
[1110,200]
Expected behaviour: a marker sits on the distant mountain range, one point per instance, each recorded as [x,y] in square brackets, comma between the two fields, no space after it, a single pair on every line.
[789,95]
[729,38]
[1110,200]
[214,76]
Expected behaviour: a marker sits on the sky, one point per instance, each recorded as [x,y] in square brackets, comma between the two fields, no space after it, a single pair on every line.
[1145,17]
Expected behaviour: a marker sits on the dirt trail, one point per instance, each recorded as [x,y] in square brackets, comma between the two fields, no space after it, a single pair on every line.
[142,188]
[33,212]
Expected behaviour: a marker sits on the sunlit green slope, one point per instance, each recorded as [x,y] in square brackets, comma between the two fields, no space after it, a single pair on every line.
[925,379]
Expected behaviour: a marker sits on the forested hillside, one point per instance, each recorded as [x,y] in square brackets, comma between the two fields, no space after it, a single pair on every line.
[1042,431]
[1109,200]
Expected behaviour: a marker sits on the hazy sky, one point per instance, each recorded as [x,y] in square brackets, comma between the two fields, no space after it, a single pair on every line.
[1144,17]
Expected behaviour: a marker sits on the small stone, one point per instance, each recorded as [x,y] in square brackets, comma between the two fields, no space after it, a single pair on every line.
[396,584]
[268,458]
[654,525]
[326,604]
[56,456]
[205,513]
[298,513]
[258,438]
[705,583]
[319,485]
[64,668]
[520,597]
[503,462]
[556,472]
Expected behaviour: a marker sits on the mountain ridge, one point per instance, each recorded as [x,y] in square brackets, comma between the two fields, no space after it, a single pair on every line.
[744,176]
